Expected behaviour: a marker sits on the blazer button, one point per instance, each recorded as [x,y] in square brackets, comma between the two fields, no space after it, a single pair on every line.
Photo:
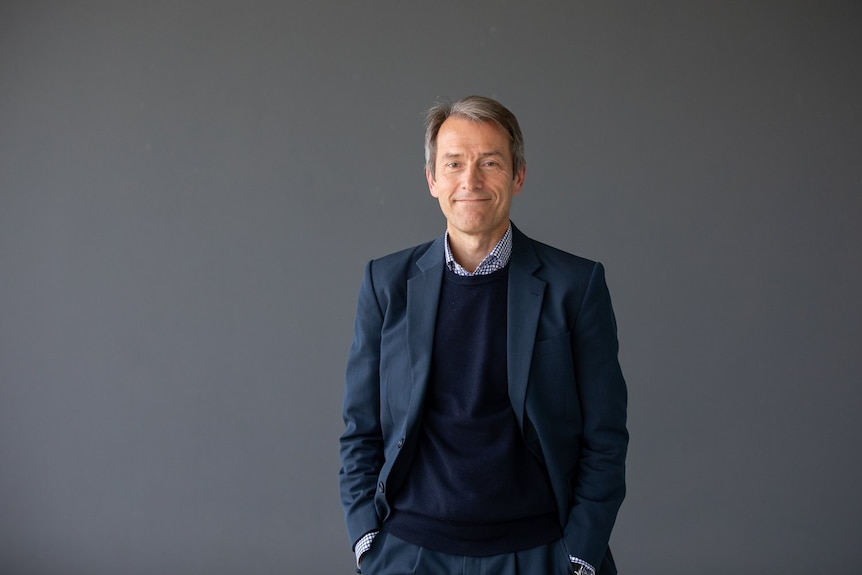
[380,487]
[400,443]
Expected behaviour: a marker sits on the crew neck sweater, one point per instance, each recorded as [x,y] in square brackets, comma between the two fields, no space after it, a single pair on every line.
[473,488]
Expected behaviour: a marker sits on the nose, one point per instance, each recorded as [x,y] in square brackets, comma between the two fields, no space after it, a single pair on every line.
[472,178]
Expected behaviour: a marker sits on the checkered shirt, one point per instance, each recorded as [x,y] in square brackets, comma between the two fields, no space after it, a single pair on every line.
[494,261]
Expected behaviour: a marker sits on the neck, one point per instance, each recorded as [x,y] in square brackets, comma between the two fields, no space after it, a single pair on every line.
[470,250]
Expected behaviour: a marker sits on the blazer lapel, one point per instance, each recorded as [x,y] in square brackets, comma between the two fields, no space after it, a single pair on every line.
[423,296]
[526,293]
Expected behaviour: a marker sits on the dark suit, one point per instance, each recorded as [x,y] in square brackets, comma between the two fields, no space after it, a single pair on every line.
[565,384]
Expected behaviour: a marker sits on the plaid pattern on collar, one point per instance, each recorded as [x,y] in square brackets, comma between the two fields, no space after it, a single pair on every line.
[496,260]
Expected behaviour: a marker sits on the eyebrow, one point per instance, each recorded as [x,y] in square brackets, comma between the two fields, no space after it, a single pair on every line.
[482,155]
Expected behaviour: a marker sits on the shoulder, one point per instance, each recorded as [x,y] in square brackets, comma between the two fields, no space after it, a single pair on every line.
[551,261]
[401,265]
[407,255]
[552,256]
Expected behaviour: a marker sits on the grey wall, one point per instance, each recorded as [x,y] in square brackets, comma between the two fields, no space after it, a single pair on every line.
[189,192]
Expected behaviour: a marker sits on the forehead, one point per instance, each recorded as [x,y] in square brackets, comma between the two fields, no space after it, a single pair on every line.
[461,135]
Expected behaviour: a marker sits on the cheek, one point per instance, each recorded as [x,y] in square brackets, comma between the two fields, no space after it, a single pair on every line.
[442,192]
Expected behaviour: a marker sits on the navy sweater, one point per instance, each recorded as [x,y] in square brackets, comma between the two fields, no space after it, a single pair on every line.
[473,488]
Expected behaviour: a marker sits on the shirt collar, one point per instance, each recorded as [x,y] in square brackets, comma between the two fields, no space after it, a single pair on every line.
[494,261]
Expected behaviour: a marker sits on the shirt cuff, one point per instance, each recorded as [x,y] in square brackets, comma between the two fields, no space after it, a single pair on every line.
[363,545]
[589,568]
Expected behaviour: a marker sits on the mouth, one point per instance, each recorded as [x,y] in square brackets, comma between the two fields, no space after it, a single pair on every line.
[471,200]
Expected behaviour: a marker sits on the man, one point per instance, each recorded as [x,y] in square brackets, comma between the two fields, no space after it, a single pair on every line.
[484,404]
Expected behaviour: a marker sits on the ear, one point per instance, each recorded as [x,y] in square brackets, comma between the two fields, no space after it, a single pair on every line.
[432,184]
[519,180]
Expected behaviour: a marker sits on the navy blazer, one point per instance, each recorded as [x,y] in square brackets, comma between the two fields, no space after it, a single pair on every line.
[565,384]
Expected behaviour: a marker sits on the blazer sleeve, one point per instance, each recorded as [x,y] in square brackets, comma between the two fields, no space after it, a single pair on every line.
[361,444]
[598,486]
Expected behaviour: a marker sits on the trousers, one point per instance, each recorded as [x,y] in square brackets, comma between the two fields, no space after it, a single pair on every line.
[390,555]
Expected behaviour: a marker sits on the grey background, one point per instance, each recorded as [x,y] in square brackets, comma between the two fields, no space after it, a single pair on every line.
[189,192]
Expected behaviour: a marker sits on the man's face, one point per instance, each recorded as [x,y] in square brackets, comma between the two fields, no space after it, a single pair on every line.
[474,182]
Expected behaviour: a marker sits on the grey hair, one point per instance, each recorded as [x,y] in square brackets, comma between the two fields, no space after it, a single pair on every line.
[477,109]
